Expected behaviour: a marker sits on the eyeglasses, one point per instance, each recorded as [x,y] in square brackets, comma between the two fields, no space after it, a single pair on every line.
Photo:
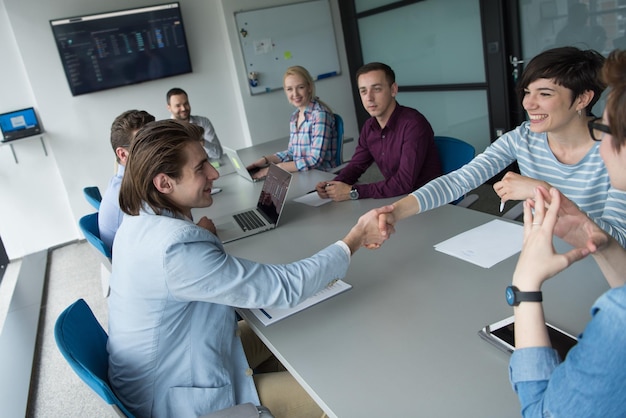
[597,129]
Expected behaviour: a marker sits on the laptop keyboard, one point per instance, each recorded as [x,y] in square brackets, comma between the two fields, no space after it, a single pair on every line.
[248,220]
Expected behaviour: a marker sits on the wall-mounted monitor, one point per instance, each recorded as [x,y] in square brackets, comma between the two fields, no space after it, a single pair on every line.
[107,50]
[19,124]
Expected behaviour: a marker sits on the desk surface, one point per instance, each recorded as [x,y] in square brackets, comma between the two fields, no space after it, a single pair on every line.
[253,153]
[403,341]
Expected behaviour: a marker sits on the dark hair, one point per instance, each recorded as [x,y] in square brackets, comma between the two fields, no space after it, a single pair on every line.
[124,126]
[174,92]
[569,67]
[614,74]
[377,66]
[159,147]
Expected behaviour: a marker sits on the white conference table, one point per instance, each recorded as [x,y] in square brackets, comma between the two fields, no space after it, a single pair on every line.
[403,341]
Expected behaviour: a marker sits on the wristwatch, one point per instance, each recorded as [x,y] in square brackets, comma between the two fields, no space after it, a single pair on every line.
[514,296]
[354,194]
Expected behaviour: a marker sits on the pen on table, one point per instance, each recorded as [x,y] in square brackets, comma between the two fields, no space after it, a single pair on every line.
[501,206]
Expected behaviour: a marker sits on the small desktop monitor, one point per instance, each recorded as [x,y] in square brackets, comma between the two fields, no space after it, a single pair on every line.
[106,50]
[19,124]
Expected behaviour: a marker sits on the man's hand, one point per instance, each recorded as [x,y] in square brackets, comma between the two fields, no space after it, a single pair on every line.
[207,224]
[366,232]
[514,186]
[334,190]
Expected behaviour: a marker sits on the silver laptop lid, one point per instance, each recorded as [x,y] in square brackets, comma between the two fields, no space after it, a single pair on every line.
[274,193]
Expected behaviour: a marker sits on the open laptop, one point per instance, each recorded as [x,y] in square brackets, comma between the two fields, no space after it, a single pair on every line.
[240,167]
[19,124]
[266,214]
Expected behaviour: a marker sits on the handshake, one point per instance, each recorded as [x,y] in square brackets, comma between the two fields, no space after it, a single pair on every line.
[372,229]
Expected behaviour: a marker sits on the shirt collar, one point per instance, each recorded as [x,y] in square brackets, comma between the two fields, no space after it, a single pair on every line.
[147,210]
[392,119]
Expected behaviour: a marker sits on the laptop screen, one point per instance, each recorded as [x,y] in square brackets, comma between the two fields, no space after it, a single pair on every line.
[19,124]
[274,193]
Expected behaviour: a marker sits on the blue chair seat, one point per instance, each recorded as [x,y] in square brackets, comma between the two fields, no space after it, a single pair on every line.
[82,341]
[339,127]
[454,154]
[93,196]
[89,226]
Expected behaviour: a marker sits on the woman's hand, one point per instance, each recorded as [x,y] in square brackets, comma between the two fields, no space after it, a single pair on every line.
[538,260]
[260,173]
[366,233]
[514,186]
[574,226]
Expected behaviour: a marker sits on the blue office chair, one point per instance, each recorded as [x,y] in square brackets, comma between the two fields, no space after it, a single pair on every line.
[93,196]
[89,226]
[339,126]
[454,154]
[83,342]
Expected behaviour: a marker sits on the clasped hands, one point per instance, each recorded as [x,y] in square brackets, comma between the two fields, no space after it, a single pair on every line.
[553,214]
[372,229]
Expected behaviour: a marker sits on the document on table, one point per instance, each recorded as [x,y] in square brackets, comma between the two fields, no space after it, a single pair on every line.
[269,315]
[312,199]
[485,245]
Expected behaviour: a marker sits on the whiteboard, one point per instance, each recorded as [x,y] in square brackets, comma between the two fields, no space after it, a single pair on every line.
[275,38]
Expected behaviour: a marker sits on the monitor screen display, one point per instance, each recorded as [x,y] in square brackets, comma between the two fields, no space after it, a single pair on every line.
[107,50]
[19,124]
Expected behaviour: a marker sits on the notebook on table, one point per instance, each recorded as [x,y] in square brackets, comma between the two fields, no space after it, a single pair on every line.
[264,216]
[240,167]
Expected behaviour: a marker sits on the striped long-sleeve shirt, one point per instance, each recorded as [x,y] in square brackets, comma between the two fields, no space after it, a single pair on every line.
[586,183]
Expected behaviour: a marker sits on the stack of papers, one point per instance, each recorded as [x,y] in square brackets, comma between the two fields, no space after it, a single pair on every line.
[268,315]
[485,245]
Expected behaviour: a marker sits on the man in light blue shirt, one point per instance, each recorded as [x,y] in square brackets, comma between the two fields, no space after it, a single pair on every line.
[175,348]
[123,131]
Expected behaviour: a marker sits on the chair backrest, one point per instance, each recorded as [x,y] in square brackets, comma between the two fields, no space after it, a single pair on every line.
[89,226]
[339,126]
[82,341]
[453,153]
[93,196]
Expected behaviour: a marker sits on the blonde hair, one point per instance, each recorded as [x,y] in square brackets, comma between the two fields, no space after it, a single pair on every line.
[297,70]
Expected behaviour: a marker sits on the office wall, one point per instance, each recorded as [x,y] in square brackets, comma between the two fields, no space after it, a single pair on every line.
[34,209]
[42,195]
[259,109]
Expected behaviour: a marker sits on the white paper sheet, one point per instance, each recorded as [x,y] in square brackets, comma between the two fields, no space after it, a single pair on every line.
[312,199]
[268,316]
[485,245]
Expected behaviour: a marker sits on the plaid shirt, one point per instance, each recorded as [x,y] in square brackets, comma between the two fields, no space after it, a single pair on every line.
[314,143]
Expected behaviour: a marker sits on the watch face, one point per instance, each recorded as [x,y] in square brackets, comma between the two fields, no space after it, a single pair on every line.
[354,194]
[510,295]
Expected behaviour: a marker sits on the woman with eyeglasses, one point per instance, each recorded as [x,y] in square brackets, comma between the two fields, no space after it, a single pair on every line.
[553,148]
[590,380]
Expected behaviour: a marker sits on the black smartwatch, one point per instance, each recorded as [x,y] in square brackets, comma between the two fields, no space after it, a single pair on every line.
[514,296]
[354,194]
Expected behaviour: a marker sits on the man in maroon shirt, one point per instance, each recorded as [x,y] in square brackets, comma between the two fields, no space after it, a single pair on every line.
[398,139]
